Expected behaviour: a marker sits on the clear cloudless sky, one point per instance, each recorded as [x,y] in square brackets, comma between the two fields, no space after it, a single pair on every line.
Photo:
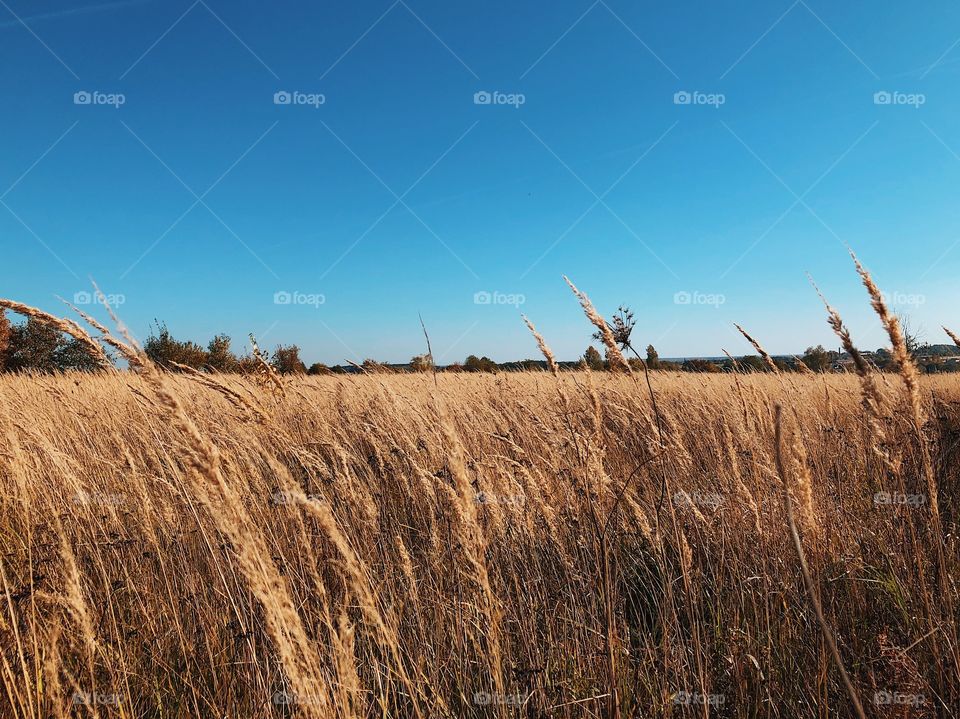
[199,199]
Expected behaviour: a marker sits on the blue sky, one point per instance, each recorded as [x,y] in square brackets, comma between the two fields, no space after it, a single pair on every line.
[387,187]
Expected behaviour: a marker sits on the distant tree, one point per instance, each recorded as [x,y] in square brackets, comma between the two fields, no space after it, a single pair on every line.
[248,364]
[73,355]
[374,367]
[700,365]
[33,346]
[931,364]
[5,331]
[318,368]
[219,356]
[455,367]
[286,360]
[817,359]
[912,336]
[752,363]
[881,358]
[653,359]
[38,346]
[479,364]
[593,359]
[163,349]
[422,363]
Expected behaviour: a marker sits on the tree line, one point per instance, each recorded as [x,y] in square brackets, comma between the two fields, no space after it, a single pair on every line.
[34,345]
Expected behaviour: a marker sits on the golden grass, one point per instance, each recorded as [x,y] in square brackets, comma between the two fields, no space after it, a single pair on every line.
[420,546]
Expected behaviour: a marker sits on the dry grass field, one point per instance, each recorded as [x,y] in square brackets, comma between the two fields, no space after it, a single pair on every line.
[476,545]
[549,544]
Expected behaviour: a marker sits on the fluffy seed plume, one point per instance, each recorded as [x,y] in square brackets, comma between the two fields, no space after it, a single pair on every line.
[615,356]
[891,324]
[870,393]
[953,336]
[130,352]
[544,348]
[266,373]
[908,373]
[762,352]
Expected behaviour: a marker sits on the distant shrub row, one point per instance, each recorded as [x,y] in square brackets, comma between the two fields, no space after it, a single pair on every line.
[37,346]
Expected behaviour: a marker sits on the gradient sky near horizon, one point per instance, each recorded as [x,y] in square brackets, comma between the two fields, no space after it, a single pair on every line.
[693,160]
